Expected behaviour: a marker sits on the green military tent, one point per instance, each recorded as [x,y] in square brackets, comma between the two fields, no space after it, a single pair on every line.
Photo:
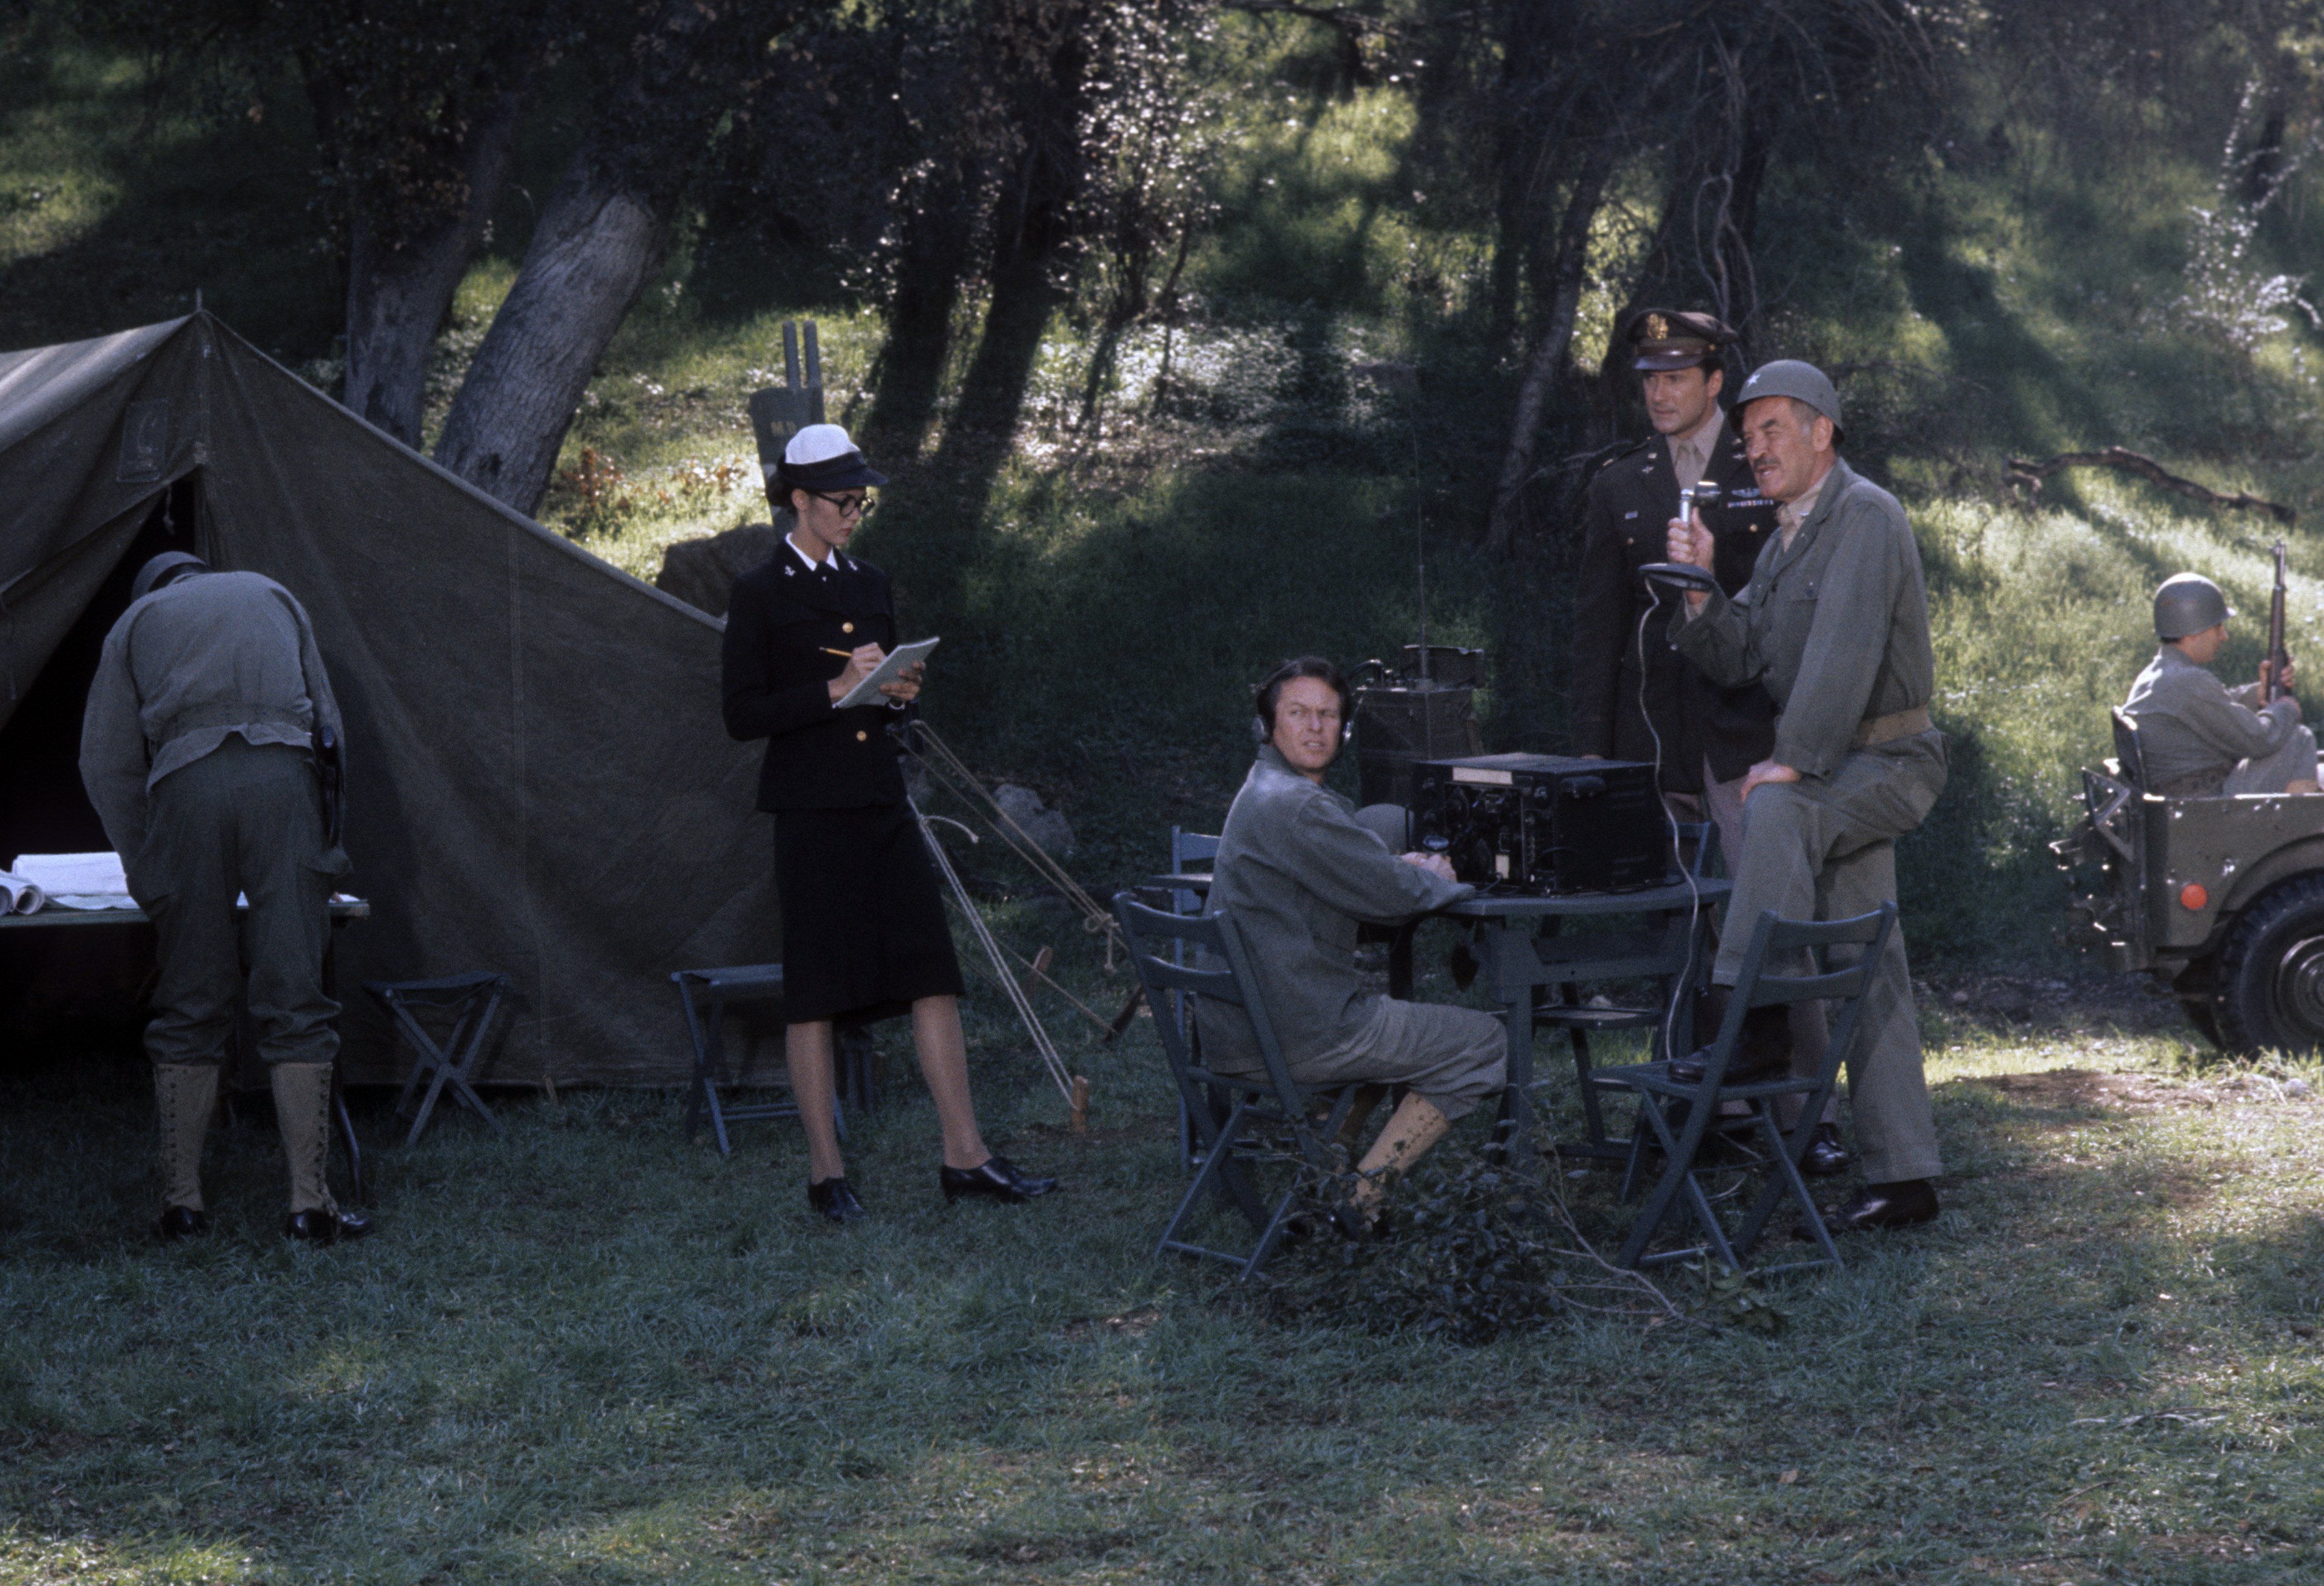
[538,779]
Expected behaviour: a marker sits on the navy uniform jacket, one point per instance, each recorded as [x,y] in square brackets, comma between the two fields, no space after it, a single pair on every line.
[1624,522]
[781,619]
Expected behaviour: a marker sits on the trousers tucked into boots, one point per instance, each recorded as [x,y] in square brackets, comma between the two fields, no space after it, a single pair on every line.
[302,1109]
[185,1094]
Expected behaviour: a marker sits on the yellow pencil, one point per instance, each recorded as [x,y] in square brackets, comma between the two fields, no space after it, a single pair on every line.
[841,654]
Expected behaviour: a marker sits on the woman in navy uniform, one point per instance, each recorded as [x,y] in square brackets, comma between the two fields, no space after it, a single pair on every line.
[863,928]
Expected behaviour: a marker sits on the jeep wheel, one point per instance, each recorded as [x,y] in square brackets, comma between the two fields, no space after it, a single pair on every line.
[2269,981]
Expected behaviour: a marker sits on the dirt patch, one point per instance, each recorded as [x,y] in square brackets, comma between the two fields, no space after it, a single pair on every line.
[1128,1324]
[2080,1090]
[2131,1004]
[2085,1091]
[1148,1128]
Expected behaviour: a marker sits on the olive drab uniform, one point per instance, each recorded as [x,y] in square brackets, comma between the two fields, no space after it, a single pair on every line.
[1836,625]
[1299,871]
[195,752]
[2200,738]
[1624,517]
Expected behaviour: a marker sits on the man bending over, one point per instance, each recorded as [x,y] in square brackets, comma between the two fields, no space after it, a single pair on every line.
[2199,737]
[1298,873]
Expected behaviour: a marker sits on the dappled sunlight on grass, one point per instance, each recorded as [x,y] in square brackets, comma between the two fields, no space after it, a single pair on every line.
[592,1353]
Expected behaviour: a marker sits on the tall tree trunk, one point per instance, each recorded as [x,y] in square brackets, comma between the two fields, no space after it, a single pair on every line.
[399,290]
[599,241]
[601,237]
[1548,358]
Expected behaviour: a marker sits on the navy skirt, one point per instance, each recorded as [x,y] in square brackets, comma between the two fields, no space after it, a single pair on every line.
[864,933]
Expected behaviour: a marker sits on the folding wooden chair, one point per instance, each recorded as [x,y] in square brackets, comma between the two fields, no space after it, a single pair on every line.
[1188,851]
[703,996]
[1215,965]
[1780,941]
[470,1001]
[1674,955]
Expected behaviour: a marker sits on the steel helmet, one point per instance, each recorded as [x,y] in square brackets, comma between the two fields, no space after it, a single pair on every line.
[1789,377]
[166,568]
[2187,603]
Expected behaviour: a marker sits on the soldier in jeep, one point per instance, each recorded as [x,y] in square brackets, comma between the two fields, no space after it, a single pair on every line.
[2197,736]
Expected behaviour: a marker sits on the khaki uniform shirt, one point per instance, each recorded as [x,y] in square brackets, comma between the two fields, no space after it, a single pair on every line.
[197,661]
[2191,726]
[1835,624]
[1297,875]
[1691,454]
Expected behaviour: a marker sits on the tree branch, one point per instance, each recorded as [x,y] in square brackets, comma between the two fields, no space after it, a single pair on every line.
[2028,476]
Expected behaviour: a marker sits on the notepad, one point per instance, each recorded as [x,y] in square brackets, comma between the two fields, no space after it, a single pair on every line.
[867,692]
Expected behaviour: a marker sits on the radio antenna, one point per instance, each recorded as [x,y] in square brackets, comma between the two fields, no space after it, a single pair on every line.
[1419,525]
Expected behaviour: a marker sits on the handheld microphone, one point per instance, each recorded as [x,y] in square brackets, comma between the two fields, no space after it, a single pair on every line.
[1684,576]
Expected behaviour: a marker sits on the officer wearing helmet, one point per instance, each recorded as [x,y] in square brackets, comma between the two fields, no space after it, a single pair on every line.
[197,750]
[2199,738]
[1835,624]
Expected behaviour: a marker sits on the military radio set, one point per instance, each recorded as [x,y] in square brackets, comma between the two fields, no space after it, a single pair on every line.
[1508,823]
[1542,823]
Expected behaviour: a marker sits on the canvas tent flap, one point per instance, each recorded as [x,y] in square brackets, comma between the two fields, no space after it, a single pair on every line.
[89,434]
[539,780]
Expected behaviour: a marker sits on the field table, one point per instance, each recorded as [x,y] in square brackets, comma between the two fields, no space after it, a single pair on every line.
[342,909]
[1528,950]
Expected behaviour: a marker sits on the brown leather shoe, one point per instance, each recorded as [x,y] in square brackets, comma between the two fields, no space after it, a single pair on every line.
[1826,1156]
[1885,1205]
[316,1226]
[1763,1049]
[1749,1062]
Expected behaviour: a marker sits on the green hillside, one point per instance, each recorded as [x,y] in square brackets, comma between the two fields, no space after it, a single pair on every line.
[1175,505]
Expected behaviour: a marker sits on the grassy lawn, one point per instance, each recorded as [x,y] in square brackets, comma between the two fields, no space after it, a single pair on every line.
[594,1353]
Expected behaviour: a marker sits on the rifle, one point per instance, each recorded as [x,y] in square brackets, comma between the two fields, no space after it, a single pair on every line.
[2277,659]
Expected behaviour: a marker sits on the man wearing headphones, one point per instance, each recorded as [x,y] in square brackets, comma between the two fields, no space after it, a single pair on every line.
[1298,870]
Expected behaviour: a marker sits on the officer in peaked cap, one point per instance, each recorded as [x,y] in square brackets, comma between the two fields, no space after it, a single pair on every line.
[197,749]
[1835,623]
[1705,737]
[2197,737]
[864,933]
[1640,701]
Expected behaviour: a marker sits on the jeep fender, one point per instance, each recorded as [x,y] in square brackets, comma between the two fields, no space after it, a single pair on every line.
[2292,859]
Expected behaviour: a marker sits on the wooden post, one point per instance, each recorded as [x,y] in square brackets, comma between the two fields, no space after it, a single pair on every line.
[1078,1121]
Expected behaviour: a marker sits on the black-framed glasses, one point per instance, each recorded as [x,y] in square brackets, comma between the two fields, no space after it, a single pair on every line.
[850,506]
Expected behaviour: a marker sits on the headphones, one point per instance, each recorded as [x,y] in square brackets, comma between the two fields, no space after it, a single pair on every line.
[1263,698]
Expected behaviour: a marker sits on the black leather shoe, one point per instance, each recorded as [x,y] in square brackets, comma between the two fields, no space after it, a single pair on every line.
[997,1179]
[1885,1205]
[836,1199]
[181,1223]
[1825,1155]
[1747,1063]
[316,1226]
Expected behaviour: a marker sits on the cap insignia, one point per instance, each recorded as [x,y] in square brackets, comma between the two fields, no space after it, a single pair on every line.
[1657,327]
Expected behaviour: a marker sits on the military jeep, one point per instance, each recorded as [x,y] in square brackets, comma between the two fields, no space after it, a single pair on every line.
[2221,898]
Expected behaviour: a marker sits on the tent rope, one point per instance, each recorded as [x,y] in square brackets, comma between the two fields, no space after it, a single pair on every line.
[946,771]
[1018,999]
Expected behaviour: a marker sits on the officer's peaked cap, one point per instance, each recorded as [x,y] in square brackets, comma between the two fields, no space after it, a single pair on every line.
[2188,602]
[1789,377]
[1666,339]
[820,458]
[170,566]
